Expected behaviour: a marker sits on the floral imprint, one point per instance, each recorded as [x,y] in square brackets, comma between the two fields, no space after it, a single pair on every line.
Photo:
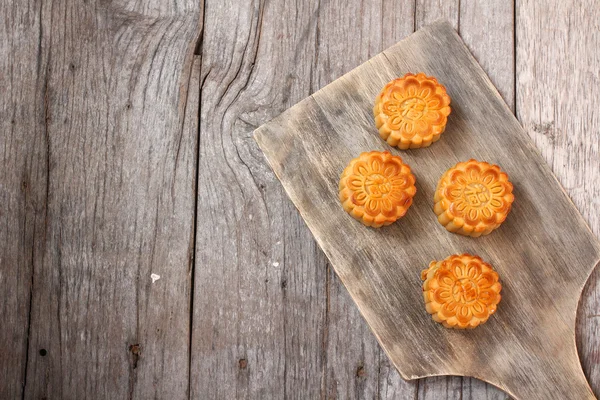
[377,188]
[411,112]
[461,291]
[473,198]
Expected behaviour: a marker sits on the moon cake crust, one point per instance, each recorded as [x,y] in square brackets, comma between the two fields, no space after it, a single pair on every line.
[473,198]
[461,291]
[377,188]
[411,112]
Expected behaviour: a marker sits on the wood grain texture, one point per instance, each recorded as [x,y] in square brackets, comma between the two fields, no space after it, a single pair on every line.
[354,364]
[428,11]
[118,130]
[504,351]
[22,182]
[557,88]
[487,28]
[356,367]
[128,156]
[260,279]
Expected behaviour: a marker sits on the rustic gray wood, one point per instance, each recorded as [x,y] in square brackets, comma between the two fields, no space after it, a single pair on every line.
[354,371]
[55,54]
[260,279]
[356,366]
[504,351]
[427,12]
[557,84]
[22,183]
[487,28]
[101,156]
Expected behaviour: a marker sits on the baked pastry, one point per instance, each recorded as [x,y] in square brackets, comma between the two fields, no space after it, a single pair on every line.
[461,291]
[377,188]
[411,112]
[473,198]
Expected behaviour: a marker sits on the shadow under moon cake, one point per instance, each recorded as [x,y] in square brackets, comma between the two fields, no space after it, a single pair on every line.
[377,188]
[461,291]
[473,198]
[412,111]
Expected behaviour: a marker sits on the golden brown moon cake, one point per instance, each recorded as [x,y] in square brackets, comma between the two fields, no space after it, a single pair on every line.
[461,292]
[473,198]
[411,112]
[377,188]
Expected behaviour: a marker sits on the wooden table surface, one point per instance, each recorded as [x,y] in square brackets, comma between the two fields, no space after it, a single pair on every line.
[146,248]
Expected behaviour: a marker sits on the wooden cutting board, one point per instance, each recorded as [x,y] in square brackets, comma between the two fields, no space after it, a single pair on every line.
[544,252]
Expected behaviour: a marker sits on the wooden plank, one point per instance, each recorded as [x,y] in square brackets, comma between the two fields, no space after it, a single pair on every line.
[22,182]
[503,351]
[426,12]
[356,366]
[557,88]
[359,44]
[487,28]
[120,135]
[441,387]
[260,279]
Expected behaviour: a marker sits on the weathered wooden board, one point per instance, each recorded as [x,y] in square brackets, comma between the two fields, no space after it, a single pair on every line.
[104,143]
[355,365]
[257,322]
[316,340]
[487,30]
[23,176]
[557,90]
[247,81]
[544,252]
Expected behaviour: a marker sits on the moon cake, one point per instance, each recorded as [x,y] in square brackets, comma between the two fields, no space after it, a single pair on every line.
[461,292]
[473,198]
[377,188]
[411,112]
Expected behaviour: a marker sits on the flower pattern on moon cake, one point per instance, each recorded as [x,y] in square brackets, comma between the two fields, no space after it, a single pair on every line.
[461,291]
[411,112]
[473,198]
[377,188]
